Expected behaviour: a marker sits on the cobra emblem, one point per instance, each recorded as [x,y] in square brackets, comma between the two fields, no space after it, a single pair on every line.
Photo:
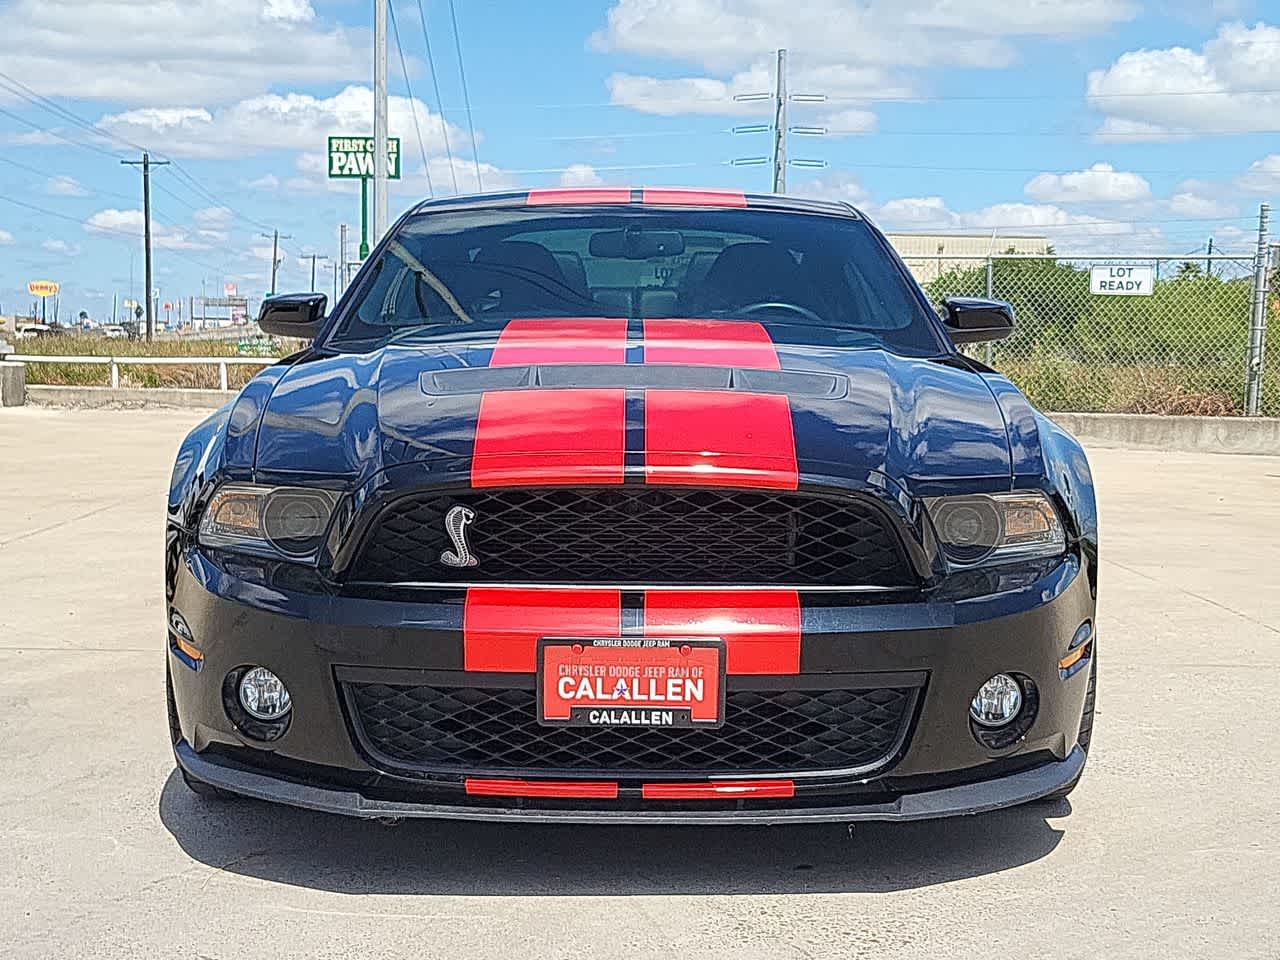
[456,522]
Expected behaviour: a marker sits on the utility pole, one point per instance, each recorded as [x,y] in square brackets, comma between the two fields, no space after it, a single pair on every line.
[1258,317]
[314,257]
[1208,260]
[147,163]
[275,239]
[380,159]
[780,127]
[335,285]
[342,252]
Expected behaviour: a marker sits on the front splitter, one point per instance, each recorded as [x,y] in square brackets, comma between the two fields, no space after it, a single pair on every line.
[980,797]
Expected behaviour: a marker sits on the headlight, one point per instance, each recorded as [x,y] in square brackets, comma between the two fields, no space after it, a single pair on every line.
[282,520]
[995,527]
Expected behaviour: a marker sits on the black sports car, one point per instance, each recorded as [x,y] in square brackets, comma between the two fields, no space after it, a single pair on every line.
[632,506]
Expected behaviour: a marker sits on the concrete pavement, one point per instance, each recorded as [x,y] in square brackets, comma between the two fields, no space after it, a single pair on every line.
[1168,849]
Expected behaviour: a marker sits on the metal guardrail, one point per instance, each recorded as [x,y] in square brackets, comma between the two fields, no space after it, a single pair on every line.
[117,362]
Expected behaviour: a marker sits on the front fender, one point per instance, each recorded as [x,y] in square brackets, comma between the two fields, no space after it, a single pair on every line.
[1067,470]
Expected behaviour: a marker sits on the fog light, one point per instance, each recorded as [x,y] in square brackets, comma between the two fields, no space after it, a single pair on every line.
[264,695]
[997,701]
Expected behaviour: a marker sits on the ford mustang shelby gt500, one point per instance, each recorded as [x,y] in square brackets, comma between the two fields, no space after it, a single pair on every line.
[632,505]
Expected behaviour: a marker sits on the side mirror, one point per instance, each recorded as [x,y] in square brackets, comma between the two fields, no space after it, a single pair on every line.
[974,319]
[297,315]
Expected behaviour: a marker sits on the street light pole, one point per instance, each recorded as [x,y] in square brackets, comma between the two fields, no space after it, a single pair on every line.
[380,158]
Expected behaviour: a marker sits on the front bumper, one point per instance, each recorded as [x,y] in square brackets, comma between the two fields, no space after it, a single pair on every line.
[241,613]
[980,797]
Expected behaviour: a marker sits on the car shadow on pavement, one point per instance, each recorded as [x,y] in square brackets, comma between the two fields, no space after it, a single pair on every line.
[442,857]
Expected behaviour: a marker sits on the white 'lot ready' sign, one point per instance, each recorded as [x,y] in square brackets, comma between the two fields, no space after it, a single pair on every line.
[1122,280]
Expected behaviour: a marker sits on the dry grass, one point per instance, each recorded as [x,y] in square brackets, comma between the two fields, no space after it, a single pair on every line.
[99,375]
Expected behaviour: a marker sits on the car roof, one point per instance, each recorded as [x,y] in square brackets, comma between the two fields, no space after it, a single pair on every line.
[607,197]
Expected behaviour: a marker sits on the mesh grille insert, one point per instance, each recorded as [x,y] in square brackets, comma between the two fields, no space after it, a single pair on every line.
[427,727]
[648,535]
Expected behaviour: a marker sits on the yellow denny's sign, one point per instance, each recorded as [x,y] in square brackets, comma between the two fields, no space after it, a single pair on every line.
[43,288]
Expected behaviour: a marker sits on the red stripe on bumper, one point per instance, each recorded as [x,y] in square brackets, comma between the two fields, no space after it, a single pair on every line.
[501,626]
[540,437]
[552,195]
[535,788]
[728,790]
[693,198]
[525,341]
[761,630]
[719,438]
[710,343]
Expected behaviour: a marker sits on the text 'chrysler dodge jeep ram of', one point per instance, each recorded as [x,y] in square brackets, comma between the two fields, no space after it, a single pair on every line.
[632,506]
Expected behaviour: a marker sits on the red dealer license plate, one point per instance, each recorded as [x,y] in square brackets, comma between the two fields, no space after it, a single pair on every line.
[631,682]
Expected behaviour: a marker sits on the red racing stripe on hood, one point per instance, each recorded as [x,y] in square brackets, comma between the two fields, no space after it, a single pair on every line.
[501,625]
[761,629]
[536,341]
[540,437]
[719,438]
[711,343]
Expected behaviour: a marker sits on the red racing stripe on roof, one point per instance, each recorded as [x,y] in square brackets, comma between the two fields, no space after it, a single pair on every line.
[569,340]
[552,195]
[712,343]
[721,438]
[501,625]
[549,437]
[693,198]
[761,629]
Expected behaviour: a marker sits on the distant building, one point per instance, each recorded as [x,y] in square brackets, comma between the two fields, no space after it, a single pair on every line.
[929,255]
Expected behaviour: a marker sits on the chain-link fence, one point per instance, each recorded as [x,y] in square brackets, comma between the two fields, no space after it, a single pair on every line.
[1179,346]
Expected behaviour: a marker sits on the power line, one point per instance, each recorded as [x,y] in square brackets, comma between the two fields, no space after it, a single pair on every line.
[20,89]
[54,176]
[435,83]
[114,231]
[413,104]
[466,97]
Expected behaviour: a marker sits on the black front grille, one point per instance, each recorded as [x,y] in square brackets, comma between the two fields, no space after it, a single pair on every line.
[447,728]
[643,535]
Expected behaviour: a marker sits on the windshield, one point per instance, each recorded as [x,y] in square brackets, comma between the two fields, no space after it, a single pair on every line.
[808,279]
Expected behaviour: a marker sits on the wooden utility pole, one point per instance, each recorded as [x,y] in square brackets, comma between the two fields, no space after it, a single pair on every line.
[147,163]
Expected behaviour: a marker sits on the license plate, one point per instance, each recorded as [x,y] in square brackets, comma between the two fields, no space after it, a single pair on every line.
[631,682]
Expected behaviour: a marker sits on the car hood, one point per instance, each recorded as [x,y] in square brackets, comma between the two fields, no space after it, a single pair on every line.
[455,409]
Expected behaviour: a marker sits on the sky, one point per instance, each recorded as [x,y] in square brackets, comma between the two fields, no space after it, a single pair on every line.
[1133,127]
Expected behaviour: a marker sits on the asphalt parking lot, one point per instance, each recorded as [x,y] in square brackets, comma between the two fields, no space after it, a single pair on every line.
[1168,848]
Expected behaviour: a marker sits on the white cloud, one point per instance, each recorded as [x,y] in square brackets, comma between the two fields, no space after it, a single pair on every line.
[113,222]
[1262,177]
[214,217]
[268,183]
[273,121]
[873,48]
[1201,200]
[1101,183]
[65,187]
[1161,94]
[580,175]
[6,239]
[836,185]
[288,11]
[61,248]
[196,51]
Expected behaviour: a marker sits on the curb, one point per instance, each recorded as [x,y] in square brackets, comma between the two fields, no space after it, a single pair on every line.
[1251,435]
[124,398]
